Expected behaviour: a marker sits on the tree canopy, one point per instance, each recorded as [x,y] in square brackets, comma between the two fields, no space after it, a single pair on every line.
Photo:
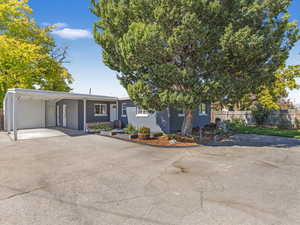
[181,53]
[29,57]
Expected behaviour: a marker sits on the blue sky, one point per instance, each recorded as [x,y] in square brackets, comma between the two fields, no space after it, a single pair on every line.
[75,24]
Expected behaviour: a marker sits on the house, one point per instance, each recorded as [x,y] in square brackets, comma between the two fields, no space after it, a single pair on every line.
[29,109]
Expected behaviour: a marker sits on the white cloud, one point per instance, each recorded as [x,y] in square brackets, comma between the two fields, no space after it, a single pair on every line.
[60,25]
[57,25]
[68,33]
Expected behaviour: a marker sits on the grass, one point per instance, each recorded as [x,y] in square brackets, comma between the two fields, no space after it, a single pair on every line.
[292,133]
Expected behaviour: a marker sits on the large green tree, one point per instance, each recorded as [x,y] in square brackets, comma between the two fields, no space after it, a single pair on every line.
[29,57]
[181,53]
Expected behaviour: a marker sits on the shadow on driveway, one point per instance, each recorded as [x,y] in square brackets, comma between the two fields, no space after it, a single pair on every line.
[253,140]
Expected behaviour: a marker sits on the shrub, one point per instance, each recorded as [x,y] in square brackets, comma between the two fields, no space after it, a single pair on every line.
[260,114]
[297,123]
[173,136]
[144,130]
[238,121]
[157,134]
[211,126]
[130,129]
[100,127]
[284,123]
[230,126]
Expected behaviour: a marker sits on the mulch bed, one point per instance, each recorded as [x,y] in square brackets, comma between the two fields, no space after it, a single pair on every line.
[164,141]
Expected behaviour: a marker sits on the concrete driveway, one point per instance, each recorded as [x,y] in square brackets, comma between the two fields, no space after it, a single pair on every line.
[93,180]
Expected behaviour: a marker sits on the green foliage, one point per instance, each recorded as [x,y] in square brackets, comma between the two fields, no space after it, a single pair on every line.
[284,125]
[267,131]
[297,123]
[173,136]
[130,129]
[238,121]
[29,57]
[285,79]
[144,130]
[260,114]
[157,134]
[100,127]
[285,122]
[181,53]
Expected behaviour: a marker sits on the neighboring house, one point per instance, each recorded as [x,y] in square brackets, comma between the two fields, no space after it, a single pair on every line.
[28,109]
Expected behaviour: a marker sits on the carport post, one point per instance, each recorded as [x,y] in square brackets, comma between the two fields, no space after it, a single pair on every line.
[8,113]
[84,115]
[15,117]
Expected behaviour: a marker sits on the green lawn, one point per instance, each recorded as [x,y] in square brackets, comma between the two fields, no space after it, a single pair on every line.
[266,131]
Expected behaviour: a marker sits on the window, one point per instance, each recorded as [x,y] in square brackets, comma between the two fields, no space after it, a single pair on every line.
[124,111]
[100,109]
[180,112]
[202,109]
[141,112]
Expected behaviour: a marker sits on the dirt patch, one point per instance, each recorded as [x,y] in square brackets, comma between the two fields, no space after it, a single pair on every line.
[181,167]
[164,141]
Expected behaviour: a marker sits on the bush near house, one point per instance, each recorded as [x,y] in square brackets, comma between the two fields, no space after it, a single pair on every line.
[157,134]
[100,127]
[260,114]
[297,123]
[130,129]
[144,132]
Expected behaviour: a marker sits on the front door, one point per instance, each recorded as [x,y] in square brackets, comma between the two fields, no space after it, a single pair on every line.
[64,115]
[113,112]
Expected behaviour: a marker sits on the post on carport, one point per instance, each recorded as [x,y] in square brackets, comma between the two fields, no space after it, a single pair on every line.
[84,115]
[8,114]
[14,108]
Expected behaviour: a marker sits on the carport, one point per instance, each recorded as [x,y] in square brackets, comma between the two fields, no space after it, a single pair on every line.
[35,109]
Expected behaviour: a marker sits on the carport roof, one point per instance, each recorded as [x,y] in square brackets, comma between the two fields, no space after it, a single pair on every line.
[58,95]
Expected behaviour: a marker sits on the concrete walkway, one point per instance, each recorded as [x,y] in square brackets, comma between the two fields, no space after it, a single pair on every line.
[27,134]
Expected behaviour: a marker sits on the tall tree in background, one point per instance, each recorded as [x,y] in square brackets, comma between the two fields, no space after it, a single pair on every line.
[181,53]
[29,57]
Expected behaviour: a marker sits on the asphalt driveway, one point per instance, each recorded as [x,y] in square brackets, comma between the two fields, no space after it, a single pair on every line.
[93,180]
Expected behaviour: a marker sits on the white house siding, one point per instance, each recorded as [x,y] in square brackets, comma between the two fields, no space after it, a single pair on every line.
[30,113]
[50,113]
[157,122]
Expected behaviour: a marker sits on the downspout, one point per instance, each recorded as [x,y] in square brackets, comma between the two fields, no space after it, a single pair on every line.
[117,102]
[84,116]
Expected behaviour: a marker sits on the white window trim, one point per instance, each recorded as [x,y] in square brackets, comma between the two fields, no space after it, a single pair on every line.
[203,113]
[181,114]
[104,114]
[143,114]
[122,114]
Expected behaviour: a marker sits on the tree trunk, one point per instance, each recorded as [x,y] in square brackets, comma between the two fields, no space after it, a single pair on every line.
[187,124]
